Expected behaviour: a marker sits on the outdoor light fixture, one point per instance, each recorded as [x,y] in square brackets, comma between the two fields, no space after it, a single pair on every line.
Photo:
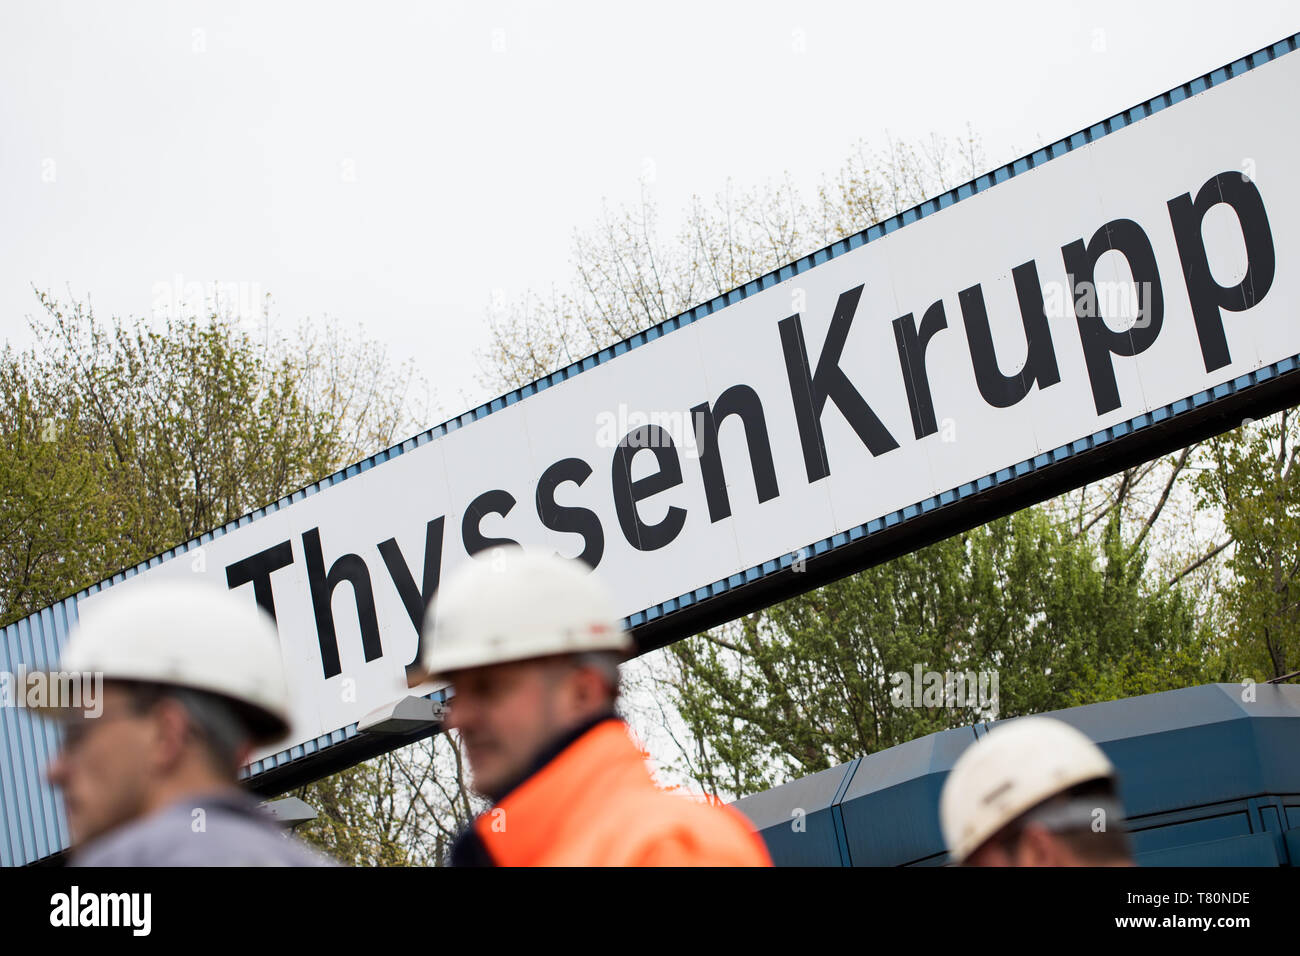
[290,811]
[408,715]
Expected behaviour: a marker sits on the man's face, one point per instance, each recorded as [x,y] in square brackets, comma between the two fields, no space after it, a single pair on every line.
[508,713]
[103,768]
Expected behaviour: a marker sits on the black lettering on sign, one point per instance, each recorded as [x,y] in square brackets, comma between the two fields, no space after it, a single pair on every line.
[352,569]
[741,401]
[1207,296]
[258,569]
[495,502]
[1003,391]
[413,599]
[566,519]
[810,390]
[912,344]
[642,536]
[1099,340]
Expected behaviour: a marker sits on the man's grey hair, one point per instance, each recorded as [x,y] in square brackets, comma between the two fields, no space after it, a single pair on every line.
[605,662]
[216,720]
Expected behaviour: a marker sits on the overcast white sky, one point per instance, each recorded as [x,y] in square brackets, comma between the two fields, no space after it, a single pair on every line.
[396,164]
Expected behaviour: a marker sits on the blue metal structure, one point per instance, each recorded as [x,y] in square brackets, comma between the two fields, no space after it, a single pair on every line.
[1207,779]
[33,824]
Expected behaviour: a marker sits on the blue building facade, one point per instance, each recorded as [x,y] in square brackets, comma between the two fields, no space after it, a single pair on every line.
[1209,776]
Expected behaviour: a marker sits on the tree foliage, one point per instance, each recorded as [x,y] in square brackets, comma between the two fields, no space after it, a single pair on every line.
[123,438]
[809,683]
[403,808]
[1251,482]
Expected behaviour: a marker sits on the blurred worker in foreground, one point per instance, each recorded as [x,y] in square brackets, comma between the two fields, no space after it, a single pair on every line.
[1034,792]
[531,645]
[192,681]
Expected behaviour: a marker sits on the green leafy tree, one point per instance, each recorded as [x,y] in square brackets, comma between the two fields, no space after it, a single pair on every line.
[828,676]
[122,439]
[403,808]
[1251,482]
[58,517]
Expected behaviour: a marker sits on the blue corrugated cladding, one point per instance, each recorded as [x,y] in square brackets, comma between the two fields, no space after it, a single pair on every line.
[32,821]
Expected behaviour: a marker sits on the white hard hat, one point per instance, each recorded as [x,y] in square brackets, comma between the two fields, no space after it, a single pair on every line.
[512,605]
[192,635]
[1017,766]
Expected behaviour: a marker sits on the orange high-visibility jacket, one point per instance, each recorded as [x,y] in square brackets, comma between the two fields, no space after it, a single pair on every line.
[595,804]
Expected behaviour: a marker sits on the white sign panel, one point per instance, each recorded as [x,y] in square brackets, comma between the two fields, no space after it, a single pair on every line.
[1124,275]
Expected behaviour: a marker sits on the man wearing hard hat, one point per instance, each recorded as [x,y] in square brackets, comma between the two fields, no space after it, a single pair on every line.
[531,646]
[1034,792]
[192,681]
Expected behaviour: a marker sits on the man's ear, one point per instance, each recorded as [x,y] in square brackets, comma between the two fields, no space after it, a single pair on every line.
[243,756]
[1037,847]
[586,686]
[992,853]
[170,723]
[589,688]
